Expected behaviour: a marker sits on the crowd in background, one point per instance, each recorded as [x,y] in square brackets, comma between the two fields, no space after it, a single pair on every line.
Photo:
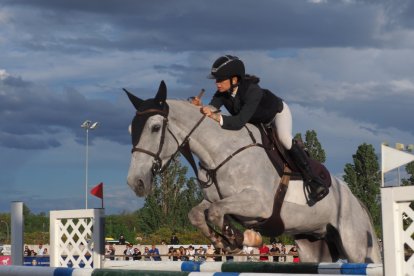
[173,251]
[41,251]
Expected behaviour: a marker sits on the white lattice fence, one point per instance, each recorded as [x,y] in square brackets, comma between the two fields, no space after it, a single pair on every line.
[398,230]
[397,204]
[77,238]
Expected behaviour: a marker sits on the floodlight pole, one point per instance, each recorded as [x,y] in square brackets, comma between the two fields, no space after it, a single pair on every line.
[87,125]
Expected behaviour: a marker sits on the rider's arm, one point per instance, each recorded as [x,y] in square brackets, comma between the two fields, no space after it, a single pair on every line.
[251,100]
[217,100]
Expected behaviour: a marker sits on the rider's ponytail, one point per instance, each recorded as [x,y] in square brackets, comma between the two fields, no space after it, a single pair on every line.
[252,78]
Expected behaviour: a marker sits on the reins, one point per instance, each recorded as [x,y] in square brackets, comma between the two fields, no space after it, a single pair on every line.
[212,173]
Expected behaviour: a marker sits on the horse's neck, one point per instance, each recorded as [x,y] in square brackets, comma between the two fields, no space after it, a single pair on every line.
[208,142]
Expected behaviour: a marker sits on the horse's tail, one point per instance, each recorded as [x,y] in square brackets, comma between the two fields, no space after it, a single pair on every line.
[374,239]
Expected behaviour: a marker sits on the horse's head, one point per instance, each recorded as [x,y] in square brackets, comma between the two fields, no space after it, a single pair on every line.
[149,149]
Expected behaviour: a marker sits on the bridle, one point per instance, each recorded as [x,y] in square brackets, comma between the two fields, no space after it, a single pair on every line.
[184,148]
[157,166]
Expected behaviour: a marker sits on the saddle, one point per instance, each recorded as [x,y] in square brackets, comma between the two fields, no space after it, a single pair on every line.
[279,157]
[287,169]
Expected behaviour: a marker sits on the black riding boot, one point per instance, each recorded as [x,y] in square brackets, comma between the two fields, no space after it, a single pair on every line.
[318,190]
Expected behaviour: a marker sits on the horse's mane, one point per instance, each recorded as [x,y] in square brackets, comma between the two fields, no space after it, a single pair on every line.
[186,101]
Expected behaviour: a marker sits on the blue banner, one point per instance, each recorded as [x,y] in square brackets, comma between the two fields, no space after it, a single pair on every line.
[36,261]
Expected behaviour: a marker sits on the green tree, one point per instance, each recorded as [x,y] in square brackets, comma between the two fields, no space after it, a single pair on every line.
[312,145]
[5,225]
[36,227]
[172,197]
[363,178]
[409,168]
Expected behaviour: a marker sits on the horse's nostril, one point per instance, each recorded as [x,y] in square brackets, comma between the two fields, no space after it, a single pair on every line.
[139,188]
[141,185]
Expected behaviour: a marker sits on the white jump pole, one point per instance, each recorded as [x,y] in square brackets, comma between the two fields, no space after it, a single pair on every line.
[17,232]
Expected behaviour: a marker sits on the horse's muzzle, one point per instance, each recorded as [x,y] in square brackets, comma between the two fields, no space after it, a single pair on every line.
[138,187]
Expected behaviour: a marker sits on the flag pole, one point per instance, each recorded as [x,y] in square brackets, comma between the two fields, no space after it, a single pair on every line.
[102,199]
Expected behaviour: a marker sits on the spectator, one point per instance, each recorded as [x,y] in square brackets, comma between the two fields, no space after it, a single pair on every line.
[191,253]
[146,254]
[155,253]
[121,239]
[128,251]
[136,255]
[264,250]
[209,254]
[248,250]
[218,252]
[40,250]
[294,251]
[274,251]
[45,252]
[183,254]
[111,252]
[27,252]
[228,256]
[177,255]
[171,253]
[33,253]
[174,240]
[282,251]
[200,254]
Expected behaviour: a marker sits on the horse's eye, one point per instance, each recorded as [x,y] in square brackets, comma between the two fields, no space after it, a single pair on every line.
[156,128]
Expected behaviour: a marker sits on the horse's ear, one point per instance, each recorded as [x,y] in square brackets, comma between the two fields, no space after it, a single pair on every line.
[161,96]
[134,99]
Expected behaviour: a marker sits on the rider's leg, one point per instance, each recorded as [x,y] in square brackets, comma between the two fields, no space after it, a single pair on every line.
[301,158]
[283,121]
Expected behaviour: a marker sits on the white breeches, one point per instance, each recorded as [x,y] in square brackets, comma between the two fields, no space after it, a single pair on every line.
[283,121]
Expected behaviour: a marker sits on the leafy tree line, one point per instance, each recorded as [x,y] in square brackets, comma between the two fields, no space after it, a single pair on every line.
[409,168]
[165,209]
[174,194]
[36,227]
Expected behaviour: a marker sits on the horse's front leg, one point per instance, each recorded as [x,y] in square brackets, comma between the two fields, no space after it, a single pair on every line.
[249,203]
[197,217]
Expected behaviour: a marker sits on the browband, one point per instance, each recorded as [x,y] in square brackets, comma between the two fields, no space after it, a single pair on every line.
[153,110]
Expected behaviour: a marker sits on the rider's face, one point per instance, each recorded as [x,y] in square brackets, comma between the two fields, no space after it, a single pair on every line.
[224,85]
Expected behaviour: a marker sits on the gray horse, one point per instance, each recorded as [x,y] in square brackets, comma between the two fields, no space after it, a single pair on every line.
[245,186]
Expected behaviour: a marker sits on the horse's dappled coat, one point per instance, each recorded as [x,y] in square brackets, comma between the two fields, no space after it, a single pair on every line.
[336,227]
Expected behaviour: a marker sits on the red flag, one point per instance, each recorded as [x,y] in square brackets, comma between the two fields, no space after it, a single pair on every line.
[98,190]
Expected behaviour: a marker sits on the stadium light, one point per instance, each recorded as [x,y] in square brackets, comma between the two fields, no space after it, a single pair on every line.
[87,125]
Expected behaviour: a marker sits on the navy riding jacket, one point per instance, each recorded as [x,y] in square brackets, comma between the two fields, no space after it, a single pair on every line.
[251,104]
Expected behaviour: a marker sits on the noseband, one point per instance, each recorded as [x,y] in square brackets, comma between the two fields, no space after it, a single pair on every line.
[157,166]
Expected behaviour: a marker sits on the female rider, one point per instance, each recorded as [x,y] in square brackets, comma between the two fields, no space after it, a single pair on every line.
[247,102]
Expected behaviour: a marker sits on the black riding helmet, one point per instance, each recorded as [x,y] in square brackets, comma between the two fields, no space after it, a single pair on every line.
[226,67]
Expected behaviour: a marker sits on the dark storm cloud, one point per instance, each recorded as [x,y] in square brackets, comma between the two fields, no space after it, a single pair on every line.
[198,25]
[32,117]
[386,109]
[382,110]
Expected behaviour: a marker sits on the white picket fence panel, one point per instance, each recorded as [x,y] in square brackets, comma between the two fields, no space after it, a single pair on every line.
[73,239]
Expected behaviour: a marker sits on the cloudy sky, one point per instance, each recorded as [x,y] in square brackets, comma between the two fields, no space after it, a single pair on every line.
[344,67]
